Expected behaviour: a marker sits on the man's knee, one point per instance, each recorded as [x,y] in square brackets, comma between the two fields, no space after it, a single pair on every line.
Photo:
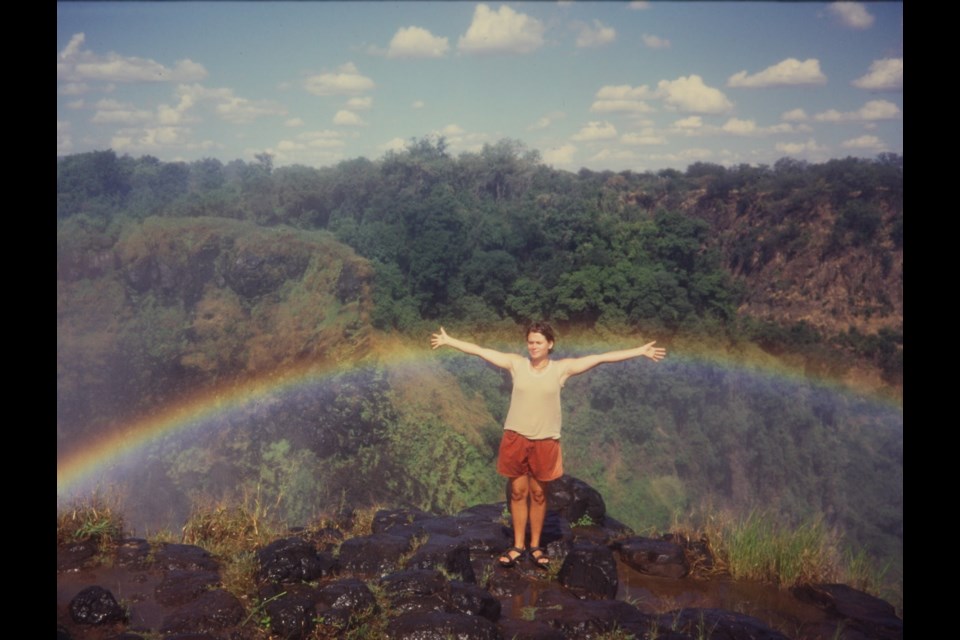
[518,494]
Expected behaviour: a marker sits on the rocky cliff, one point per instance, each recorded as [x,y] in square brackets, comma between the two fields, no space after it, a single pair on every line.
[417,576]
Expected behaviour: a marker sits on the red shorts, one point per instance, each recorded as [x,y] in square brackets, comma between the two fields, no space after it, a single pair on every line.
[520,456]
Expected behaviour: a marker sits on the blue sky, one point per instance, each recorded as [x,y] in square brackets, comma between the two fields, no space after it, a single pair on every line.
[619,85]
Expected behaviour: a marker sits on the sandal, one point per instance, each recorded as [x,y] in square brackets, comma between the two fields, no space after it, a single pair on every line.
[507,561]
[539,557]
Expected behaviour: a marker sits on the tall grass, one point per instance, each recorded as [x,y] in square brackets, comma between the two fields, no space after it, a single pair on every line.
[759,548]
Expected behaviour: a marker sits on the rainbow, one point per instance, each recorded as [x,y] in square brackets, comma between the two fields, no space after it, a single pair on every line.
[81,467]
[77,468]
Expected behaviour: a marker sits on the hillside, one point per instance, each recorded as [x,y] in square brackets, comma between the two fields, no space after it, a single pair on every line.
[239,331]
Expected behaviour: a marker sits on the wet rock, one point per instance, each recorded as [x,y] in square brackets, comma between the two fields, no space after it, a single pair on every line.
[292,614]
[530,630]
[291,560]
[387,519]
[420,590]
[72,557]
[506,583]
[180,586]
[718,624]
[213,611]
[441,626]
[585,619]
[62,634]
[376,554]
[575,500]
[342,601]
[863,615]
[473,600]
[134,552]
[450,554]
[185,556]
[590,571]
[96,605]
[653,557]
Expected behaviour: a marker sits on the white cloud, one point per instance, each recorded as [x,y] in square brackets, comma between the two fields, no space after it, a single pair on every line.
[596,131]
[617,98]
[692,122]
[73,88]
[545,121]
[794,115]
[418,104]
[155,139]
[76,65]
[740,127]
[864,142]
[690,94]
[798,148]
[851,14]
[113,112]
[871,111]
[642,138]
[346,82]
[394,144]
[294,122]
[417,42]
[453,130]
[562,155]
[885,74]
[501,31]
[788,72]
[64,139]
[242,110]
[357,104]
[348,118]
[323,139]
[595,36]
[639,5]
[655,42]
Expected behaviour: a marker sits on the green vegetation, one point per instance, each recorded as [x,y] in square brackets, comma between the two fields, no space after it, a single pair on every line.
[179,277]
[96,519]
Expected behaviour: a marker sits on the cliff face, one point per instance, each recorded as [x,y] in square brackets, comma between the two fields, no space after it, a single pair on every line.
[833,263]
[169,304]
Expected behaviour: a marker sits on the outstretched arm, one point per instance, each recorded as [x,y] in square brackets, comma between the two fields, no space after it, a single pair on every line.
[502,360]
[577,366]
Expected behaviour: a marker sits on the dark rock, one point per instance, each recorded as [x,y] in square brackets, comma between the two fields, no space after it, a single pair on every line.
[473,600]
[450,554]
[348,593]
[62,634]
[290,560]
[134,552]
[574,499]
[861,613]
[185,556]
[441,626]
[653,557]
[180,586]
[506,583]
[718,624]
[96,605]
[387,519]
[590,571]
[530,630]
[375,554]
[213,611]
[292,614]
[420,590]
[584,619]
[72,557]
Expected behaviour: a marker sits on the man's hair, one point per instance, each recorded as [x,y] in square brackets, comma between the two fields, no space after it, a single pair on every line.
[543,329]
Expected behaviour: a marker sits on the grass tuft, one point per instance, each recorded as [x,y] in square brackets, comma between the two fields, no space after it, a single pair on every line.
[95,520]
